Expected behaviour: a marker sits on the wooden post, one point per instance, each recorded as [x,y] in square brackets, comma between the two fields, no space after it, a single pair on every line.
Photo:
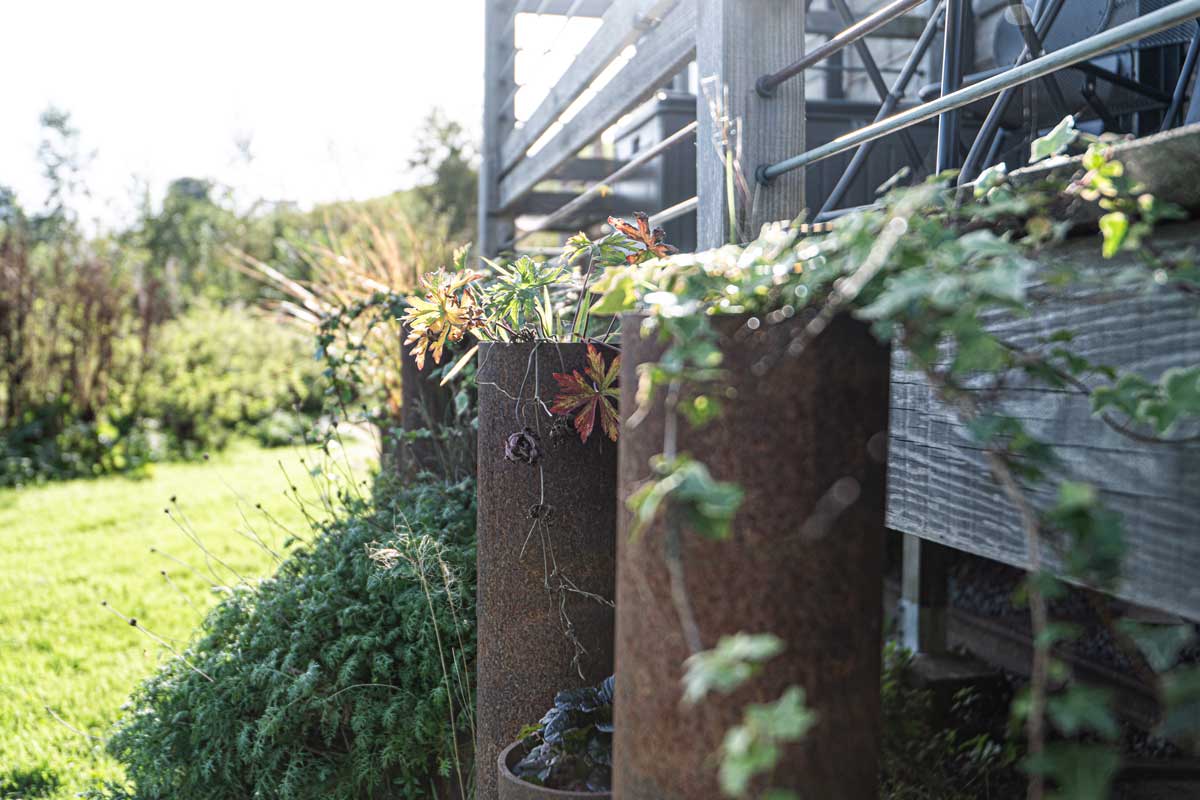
[499,118]
[737,42]
[923,596]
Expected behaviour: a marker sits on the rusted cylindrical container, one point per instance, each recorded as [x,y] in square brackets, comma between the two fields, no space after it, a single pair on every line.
[549,524]
[513,788]
[425,405]
[805,436]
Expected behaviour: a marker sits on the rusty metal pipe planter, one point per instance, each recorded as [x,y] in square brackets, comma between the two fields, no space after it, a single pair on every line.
[525,657]
[806,440]
[513,788]
[424,405]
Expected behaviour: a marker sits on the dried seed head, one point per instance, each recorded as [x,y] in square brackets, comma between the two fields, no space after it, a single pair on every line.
[524,446]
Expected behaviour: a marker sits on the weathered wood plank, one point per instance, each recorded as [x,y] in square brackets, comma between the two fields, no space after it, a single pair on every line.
[939,487]
[622,25]
[577,8]
[589,170]
[738,41]
[662,52]
[498,117]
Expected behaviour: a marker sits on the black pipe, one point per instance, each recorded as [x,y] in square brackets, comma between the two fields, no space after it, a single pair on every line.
[991,124]
[876,78]
[889,105]
[948,123]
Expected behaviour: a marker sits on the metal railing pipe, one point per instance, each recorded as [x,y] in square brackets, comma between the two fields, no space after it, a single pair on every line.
[767,84]
[889,105]
[1185,75]
[1047,14]
[675,212]
[1147,25]
[875,76]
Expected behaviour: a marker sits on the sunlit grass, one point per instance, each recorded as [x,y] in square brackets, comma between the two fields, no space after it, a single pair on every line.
[66,547]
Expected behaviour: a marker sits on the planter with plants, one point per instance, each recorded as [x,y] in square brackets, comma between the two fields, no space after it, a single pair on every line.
[546,372]
[770,519]
[568,754]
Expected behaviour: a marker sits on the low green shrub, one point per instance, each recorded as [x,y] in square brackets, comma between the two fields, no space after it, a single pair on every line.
[216,371]
[206,376]
[347,675]
[933,755]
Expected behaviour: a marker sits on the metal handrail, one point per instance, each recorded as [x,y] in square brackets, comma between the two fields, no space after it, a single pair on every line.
[767,84]
[1147,25]
[889,105]
[675,212]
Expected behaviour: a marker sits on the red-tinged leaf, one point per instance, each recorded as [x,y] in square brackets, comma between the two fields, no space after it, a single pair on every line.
[590,394]
[650,240]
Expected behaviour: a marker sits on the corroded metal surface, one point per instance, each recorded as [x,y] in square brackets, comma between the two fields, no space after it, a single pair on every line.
[802,439]
[525,657]
[513,788]
[424,405]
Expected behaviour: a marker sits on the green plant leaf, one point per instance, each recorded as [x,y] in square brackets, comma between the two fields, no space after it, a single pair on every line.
[1055,142]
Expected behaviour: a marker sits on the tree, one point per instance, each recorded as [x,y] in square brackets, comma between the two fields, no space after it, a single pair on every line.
[445,162]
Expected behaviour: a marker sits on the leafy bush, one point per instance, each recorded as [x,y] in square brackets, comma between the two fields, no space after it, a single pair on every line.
[336,678]
[216,371]
[206,376]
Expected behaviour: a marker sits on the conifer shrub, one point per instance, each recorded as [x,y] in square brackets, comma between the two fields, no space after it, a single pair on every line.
[346,675]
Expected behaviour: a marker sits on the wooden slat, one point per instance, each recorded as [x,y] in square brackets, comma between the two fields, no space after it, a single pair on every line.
[664,51]
[586,8]
[939,487]
[587,169]
[738,41]
[622,25]
[540,203]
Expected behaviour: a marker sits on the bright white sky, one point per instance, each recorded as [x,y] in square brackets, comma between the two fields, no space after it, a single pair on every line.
[330,94]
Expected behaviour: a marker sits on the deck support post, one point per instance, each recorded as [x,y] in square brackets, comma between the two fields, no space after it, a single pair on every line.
[499,119]
[739,41]
[923,596]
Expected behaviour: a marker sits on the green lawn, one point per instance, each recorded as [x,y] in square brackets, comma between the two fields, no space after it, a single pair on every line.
[65,547]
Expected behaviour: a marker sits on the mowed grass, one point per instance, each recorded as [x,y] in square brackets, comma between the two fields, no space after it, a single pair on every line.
[66,662]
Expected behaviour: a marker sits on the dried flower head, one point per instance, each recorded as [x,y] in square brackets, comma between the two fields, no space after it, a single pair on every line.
[524,446]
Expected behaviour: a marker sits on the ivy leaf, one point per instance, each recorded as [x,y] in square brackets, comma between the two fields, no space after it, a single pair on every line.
[1160,644]
[1114,228]
[1054,142]
[1081,771]
[1083,708]
[755,746]
[727,666]
[682,483]
[590,395]
[1179,398]
[1181,693]
[616,296]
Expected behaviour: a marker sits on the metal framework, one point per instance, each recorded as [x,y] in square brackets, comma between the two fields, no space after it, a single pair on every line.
[1142,27]
[720,35]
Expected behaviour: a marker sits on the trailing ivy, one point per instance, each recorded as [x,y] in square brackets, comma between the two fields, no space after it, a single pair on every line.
[927,268]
